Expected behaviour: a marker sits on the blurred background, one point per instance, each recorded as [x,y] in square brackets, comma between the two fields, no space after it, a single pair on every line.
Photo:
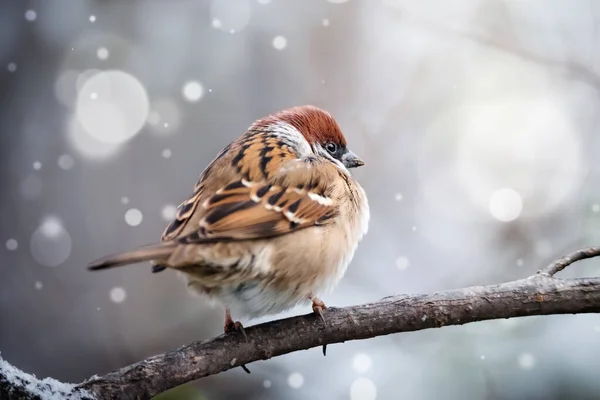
[477,121]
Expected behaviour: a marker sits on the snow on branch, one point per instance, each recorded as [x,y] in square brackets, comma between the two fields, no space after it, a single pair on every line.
[541,294]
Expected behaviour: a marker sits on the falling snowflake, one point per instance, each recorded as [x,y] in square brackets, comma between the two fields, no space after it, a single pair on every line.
[117,295]
[51,243]
[11,244]
[361,362]
[65,161]
[520,262]
[168,212]
[133,217]
[279,42]
[402,263]
[102,53]
[192,91]
[295,380]
[363,389]
[506,204]
[30,15]
[526,361]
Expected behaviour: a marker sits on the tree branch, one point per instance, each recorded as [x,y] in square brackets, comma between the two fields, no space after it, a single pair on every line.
[541,294]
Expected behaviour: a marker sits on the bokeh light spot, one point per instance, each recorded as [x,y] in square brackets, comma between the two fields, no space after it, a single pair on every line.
[133,217]
[526,361]
[363,389]
[30,15]
[402,263]
[65,161]
[506,204]
[361,362]
[102,53]
[164,117]
[168,212]
[192,91]
[51,243]
[117,295]
[86,145]
[12,244]
[228,17]
[295,380]
[119,110]
[279,42]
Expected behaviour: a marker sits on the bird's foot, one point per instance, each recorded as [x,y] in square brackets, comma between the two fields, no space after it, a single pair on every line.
[235,326]
[318,307]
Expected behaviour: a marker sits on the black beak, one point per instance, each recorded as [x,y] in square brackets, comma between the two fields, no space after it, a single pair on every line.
[351,160]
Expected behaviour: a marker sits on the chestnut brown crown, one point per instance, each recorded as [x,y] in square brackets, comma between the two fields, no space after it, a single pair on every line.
[319,128]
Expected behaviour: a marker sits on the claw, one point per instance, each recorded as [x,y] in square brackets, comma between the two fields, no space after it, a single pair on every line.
[318,306]
[319,311]
[236,327]
[231,326]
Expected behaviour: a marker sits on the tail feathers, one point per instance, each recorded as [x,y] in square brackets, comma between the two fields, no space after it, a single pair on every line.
[155,252]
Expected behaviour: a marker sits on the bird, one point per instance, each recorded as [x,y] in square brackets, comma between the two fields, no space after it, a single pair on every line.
[273,221]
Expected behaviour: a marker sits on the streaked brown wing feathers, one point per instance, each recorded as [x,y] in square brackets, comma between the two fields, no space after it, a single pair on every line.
[254,210]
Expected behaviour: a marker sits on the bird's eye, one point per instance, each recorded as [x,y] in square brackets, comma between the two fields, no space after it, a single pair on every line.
[331,147]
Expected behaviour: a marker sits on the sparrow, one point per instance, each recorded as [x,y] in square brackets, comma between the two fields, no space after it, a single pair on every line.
[273,221]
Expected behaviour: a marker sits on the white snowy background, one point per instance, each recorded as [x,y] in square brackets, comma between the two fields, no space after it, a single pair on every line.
[478,121]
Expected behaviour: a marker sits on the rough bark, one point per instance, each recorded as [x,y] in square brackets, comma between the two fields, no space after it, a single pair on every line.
[541,294]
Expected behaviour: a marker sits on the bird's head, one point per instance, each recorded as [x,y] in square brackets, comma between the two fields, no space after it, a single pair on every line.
[322,133]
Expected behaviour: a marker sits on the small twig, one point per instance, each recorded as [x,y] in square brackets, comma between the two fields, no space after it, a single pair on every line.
[564,262]
[405,313]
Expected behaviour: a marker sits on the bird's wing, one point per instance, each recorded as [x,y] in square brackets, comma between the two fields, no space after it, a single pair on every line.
[255,156]
[298,197]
